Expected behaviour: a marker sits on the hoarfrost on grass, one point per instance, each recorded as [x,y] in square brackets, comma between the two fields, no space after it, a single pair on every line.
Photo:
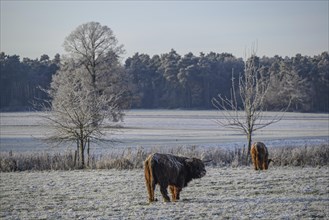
[242,193]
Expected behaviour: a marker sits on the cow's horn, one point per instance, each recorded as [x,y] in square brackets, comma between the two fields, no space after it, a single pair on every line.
[206,161]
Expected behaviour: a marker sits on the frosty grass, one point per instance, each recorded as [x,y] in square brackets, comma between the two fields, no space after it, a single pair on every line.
[242,193]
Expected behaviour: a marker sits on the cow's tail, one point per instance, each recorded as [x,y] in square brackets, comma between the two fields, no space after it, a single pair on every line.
[149,178]
[255,155]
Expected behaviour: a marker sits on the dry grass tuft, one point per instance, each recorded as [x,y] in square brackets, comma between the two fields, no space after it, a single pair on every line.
[133,159]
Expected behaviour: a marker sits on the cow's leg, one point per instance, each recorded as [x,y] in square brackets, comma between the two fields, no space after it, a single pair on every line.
[254,161]
[254,157]
[260,165]
[172,192]
[177,191]
[164,192]
[152,199]
[265,162]
[150,190]
[151,194]
[260,161]
[150,185]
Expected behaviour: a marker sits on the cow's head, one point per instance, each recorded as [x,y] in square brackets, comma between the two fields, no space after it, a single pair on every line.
[268,163]
[196,167]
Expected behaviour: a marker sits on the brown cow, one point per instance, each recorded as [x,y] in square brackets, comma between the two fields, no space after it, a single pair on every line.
[259,156]
[170,170]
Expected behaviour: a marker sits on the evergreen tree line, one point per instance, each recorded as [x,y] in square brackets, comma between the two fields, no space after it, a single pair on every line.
[190,82]
[171,80]
[21,80]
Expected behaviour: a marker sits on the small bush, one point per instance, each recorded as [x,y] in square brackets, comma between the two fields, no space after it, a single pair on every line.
[8,164]
[119,163]
[37,161]
[300,156]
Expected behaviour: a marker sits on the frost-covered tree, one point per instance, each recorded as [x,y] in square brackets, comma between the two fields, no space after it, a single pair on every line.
[94,47]
[90,88]
[288,88]
[247,116]
[75,114]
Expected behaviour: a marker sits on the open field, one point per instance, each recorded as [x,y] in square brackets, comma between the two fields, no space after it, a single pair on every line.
[19,132]
[224,193]
[296,191]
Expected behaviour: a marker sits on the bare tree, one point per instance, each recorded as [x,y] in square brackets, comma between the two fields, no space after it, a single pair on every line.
[95,48]
[74,115]
[244,110]
[89,90]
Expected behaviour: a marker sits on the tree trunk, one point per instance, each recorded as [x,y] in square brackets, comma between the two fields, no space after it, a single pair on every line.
[75,157]
[88,151]
[249,146]
[77,154]
[82,156]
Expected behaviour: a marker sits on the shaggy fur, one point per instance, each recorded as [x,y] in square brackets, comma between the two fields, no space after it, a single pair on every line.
[173,171]
[259,156]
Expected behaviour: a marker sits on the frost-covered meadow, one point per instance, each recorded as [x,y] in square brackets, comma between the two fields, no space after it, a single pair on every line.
[224,193]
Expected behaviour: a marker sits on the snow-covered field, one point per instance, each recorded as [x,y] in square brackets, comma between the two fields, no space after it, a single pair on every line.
[224,193]
[169,128]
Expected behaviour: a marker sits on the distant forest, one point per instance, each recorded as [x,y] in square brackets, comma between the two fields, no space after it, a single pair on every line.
[171,81]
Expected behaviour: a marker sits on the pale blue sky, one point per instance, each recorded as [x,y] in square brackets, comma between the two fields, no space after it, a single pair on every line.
[33,28]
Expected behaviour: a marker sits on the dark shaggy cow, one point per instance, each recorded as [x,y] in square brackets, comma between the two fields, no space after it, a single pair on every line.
[259,156]
[173,171]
